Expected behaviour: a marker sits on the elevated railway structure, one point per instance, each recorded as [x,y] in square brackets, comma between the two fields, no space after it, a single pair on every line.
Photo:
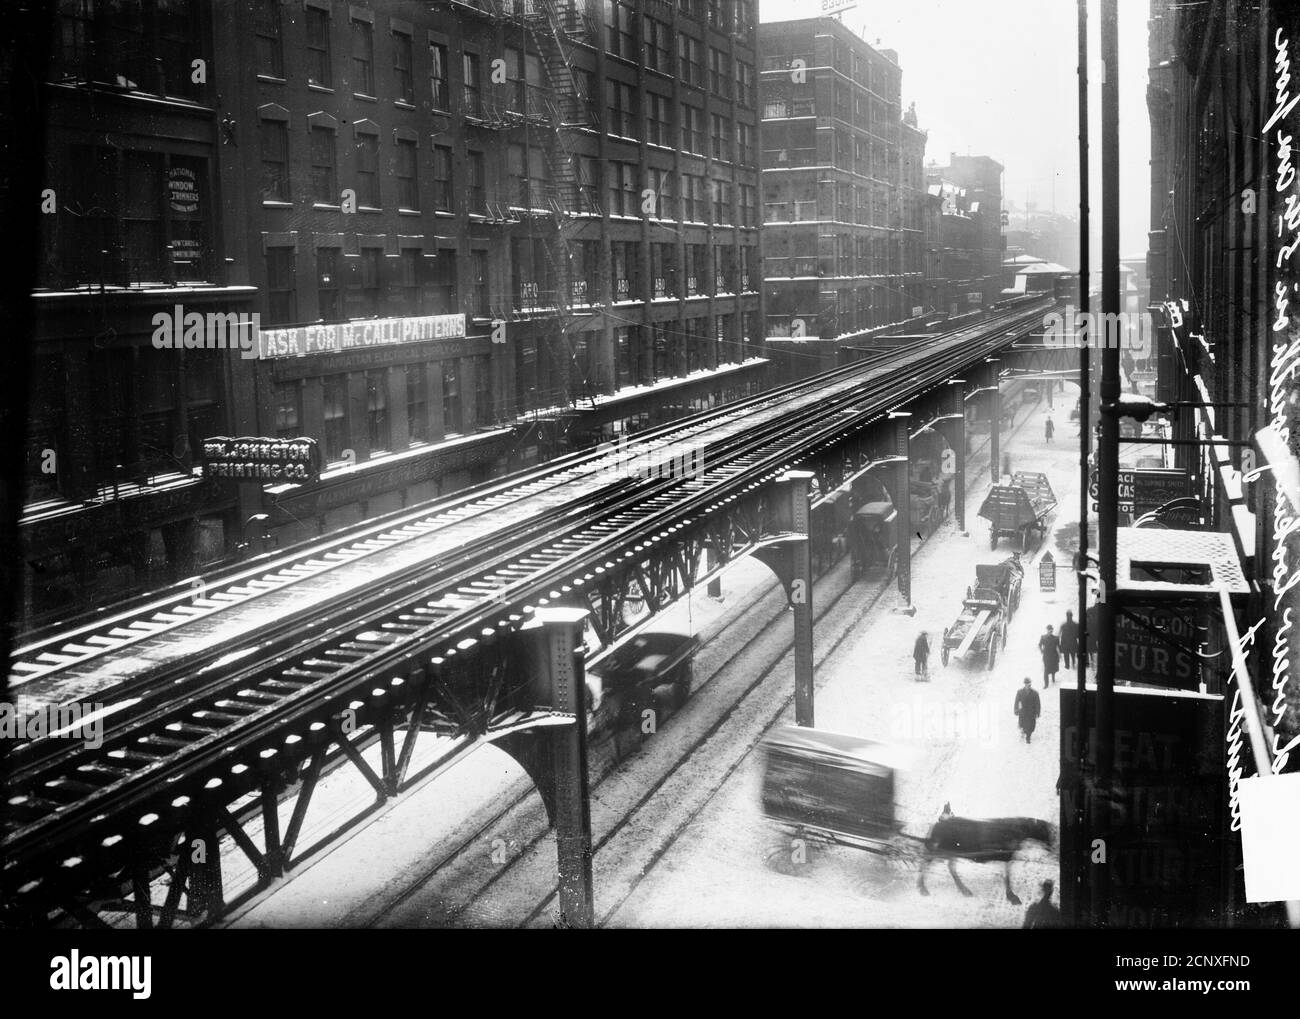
[225,699]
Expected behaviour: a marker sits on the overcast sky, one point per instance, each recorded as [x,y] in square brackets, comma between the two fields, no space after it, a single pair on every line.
[998,78]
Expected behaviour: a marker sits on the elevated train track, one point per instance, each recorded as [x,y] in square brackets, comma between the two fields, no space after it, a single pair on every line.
[224,720]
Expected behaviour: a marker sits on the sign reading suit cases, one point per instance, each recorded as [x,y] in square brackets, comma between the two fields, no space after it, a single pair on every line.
[299,341]
[292,461]
[1145,489]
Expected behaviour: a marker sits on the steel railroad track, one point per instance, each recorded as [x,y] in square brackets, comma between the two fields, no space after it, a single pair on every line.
[77,801]
[191,623]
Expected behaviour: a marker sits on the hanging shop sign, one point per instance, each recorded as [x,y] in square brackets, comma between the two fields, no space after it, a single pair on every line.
[287,461]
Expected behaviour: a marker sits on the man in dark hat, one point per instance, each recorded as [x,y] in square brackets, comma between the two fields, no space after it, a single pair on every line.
[1069,640]
[1027,708]
[1050,646]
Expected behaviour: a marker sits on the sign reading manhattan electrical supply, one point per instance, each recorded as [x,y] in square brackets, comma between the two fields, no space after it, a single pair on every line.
[299,341]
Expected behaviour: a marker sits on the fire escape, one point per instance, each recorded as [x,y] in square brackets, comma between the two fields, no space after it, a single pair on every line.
[549,209]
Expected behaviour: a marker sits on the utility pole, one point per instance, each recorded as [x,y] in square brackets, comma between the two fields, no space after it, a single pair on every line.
[1081,659]
[1107,450]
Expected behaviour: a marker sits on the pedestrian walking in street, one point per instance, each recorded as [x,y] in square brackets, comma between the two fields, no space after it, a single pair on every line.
[1050,646]
[921,655]
[1069,640]
[1049,427]
[1028,707]
[1042,914]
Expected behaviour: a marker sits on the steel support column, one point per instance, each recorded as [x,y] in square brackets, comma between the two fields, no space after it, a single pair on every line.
[902,445]
[995,424]
[957,405]
[561,663]
[1107,456]
[711,560]
[794,485]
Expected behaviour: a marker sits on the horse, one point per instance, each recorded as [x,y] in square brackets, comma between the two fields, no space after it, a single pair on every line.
[984,840]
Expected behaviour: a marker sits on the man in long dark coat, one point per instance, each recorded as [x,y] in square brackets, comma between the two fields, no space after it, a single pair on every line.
[1028,708]
[1050,647]
[1069,640]
[921,655]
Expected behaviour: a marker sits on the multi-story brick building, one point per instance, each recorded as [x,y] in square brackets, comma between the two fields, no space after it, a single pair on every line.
[968,248]
[132,228]
[474,234]
[571,193]
[842,191]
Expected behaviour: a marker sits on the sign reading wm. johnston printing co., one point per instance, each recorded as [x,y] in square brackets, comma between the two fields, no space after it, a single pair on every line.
[295,461]
[376,332]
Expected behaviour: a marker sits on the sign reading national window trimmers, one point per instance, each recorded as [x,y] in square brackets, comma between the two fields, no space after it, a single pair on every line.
[287,461]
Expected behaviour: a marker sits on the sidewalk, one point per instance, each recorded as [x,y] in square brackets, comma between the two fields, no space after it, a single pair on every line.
[958,730]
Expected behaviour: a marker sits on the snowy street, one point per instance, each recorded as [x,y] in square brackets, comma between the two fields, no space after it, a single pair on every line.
[679,837]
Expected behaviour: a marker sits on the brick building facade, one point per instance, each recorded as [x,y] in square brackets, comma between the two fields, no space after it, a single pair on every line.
[474,234]
[842,191]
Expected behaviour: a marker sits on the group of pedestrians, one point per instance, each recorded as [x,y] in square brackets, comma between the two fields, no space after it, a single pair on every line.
[1056,648]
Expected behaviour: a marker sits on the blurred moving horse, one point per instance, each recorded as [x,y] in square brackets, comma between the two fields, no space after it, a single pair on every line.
[983,840]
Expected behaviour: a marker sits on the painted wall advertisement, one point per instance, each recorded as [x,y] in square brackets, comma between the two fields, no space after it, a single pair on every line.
[299,341]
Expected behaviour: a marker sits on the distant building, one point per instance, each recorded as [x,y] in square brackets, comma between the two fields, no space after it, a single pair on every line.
[842,192]
[968,246]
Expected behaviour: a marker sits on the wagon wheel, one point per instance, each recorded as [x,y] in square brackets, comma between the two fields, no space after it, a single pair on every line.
[993,650]
[891,565]
[791,853]
[943,654]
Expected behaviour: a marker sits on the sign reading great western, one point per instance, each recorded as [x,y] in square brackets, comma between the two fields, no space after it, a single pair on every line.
[299,341]
[292,461]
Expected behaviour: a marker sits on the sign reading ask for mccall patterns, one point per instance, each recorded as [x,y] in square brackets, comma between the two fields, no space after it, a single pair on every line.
[298,341]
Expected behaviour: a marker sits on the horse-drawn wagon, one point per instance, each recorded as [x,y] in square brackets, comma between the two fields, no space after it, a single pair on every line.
[981,628]
[831,788]
[927,504]
[1020,508]
[873,539]
[652,670]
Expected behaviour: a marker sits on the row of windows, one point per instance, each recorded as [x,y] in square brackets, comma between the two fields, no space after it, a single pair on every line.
[872,71]
[370,284]
[526,68]
[686,61]
[411,382]
[140,47]
[526,179]
[269,45]
[323,181]
[644,354]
